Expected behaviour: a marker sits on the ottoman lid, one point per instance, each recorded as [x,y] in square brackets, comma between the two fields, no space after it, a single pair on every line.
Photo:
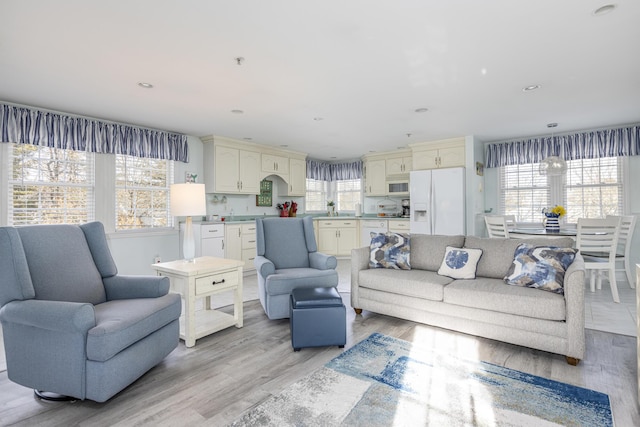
[315,297]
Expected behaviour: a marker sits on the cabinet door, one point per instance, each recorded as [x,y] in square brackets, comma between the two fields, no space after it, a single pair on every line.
[233,242]
[375,184]
[213,247]
[425,159]
[275,164]
[226,169]
[347,240]
[297,177]
[394,166]
[249,175]
[328,240]
[451,157]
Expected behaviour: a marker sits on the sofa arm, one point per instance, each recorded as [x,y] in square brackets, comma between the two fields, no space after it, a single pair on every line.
[359,261]
[131,287]
[59,316]
[574,299]
[264,267]
[322,261]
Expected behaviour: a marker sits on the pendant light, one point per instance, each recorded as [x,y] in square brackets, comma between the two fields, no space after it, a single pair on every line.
[553,165]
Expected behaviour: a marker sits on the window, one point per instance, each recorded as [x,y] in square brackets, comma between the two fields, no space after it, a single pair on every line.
[347,194]
[592,188]
[142,192]
[50,185]
[316,199]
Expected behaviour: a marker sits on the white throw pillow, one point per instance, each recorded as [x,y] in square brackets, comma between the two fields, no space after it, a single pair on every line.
[460,263]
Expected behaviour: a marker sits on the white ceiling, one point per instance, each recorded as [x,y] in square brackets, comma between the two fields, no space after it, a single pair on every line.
[363,66]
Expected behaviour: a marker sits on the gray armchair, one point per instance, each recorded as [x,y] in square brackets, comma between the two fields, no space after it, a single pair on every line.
[71,325]
[288,258]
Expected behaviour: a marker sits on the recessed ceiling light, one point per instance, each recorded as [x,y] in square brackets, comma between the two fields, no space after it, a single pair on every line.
[530,88]
[333,157]
[317,119]
[552,125]
[603,10]
[145,85]
[246,138]
[421,110]
[284,145]
[237,111]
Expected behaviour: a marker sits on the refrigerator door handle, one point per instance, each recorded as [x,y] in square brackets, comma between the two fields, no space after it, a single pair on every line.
[433,211]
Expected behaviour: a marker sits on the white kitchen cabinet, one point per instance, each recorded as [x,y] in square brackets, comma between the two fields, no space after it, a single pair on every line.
[375,177]
[439,154]
[398,166]
[297,177]
[337,237]
[212,240]
[241,243]
[231,170]
[275,164]
[399,225]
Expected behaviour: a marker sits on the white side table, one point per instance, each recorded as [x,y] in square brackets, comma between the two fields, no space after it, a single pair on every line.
[202,279]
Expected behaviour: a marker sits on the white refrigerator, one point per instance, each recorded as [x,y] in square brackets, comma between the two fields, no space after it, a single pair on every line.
[437,201]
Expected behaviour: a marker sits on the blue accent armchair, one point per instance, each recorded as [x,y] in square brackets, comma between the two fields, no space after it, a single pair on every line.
[72,326]
[288,258]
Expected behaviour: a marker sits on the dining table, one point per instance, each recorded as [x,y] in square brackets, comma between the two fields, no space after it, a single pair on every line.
[526,232]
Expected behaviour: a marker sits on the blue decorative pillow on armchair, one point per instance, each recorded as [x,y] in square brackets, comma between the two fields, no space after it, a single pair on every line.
[390,250]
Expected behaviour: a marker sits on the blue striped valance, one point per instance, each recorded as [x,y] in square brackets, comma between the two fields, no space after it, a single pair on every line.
[323,171]
[619,142]
[30,126]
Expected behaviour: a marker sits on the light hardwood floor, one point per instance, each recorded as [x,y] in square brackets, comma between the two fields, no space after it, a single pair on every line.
[227,373]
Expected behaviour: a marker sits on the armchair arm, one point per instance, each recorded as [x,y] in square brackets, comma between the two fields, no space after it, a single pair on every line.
[322,261]
[130,287]
[264,267]
[61,316]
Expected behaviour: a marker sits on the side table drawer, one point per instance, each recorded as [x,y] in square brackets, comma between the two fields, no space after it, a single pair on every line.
[216,282]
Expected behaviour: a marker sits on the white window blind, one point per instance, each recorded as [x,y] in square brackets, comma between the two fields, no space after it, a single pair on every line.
[347,194]
[594,188]
[524,192]
[50,185]
[142,192]
[316,197]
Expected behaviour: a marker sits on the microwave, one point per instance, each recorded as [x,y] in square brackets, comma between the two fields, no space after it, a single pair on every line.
[399,188]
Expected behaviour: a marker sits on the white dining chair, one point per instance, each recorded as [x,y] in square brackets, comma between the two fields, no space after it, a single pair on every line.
[627,227]
[496,226]
[597,240]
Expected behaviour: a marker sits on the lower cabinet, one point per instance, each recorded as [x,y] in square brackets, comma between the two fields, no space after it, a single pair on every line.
[337,237]
[399,226]
[241,243]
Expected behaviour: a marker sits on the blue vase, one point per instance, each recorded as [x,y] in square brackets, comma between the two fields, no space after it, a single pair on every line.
[552,224]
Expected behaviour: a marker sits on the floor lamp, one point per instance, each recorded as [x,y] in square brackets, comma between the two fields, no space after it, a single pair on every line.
[188,200]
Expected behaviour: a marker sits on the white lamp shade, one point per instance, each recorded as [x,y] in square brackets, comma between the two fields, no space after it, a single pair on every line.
[188,199]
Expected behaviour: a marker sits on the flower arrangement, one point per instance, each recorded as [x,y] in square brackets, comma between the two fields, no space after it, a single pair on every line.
[331,203]
[554,212]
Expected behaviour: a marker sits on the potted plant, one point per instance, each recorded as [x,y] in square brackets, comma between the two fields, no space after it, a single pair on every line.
[332,208]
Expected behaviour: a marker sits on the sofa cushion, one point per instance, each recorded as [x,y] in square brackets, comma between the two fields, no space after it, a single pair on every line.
[540,267]
[413,283]
[428,251]
[121,323]
[494,295]
[460,263]
[498,253]
[390,250]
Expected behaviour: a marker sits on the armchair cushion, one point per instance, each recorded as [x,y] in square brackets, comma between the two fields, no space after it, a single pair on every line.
[121,323]
[53,276]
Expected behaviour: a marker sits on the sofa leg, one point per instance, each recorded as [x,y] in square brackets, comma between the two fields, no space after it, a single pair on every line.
[572,361]
[357,310]
[53,397]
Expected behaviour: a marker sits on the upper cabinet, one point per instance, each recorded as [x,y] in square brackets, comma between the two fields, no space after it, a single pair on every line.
[446,153]
[237,167]
[272,164]
[375,177]
[398,165]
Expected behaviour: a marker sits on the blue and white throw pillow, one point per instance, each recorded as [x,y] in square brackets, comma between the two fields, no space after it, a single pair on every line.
[540,267]
[390,250]
[460,263]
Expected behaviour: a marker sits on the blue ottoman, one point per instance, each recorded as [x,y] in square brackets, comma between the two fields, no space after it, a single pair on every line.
[317,318]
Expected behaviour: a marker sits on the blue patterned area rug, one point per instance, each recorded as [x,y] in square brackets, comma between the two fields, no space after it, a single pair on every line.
[384,381]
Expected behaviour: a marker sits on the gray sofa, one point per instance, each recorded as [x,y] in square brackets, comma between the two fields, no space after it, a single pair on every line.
[485,306]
